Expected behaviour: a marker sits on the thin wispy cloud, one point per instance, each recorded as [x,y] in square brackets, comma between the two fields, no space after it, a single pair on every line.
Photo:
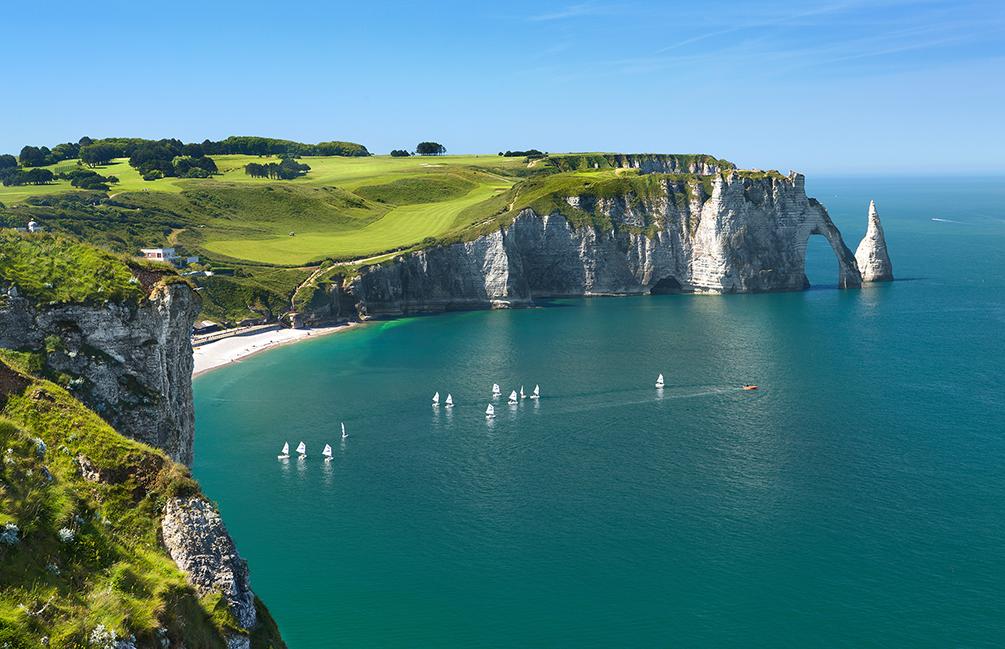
[575,11]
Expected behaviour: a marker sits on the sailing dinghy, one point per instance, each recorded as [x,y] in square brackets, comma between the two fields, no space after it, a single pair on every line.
[536,394]
[302,449]
[327,453]
[436,399]
[450,401]
[512,398]
[659,382]
[344,434]
[285,455]
[523,395]
[495,390]
[490,412]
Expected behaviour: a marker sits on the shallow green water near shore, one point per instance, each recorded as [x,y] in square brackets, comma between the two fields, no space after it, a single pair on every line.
[857,499]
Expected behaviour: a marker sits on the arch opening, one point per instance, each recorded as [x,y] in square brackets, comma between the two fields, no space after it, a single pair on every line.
[821,266]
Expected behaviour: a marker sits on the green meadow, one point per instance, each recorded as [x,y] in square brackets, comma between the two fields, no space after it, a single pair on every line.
[264,238]
[344,208]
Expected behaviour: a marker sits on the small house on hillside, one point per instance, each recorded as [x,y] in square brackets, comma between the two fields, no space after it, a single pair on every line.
[159,254]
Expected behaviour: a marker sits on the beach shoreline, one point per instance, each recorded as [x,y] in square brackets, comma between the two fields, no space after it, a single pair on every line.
[233,349]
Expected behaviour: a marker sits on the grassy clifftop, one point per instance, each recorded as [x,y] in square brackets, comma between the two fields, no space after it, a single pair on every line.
[267,237]
[80,560]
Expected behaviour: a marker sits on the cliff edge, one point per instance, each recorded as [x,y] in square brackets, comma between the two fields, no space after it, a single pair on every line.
[620,232]
[105,540]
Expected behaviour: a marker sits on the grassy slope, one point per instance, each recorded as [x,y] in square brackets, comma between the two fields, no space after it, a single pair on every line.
[345,209]
[114,572]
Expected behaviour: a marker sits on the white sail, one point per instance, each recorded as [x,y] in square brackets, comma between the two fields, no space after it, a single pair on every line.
[659,381]
[490,412]
[512,397]
[450,400]
[495,390]
[436,399]
[302,448]
[344,434]
[523,395]
[536,394]
[286,448]
[328,451]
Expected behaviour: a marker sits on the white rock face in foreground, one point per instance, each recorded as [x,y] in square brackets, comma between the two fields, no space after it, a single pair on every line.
[872,257]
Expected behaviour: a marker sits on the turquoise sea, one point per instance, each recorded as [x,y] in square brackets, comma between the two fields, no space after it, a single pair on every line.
[857,499]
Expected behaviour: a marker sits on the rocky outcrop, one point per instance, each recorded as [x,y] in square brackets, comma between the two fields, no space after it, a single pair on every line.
[871,255]
[748,233]
[130,363]
[197,540]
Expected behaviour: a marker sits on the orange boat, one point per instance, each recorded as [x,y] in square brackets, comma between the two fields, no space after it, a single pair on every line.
[750,387]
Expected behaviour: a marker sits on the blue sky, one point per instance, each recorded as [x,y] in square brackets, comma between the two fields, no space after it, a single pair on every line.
[832,86]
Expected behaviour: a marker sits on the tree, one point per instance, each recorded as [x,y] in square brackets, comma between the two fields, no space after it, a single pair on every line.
[7,161]
[400,153]
[85,141]
[66,151]
[32,156]
[430,148]
[98,154]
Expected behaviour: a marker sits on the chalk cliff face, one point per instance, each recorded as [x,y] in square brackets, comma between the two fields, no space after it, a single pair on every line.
[132,364]
[871,255]
[197,540]
[748,234]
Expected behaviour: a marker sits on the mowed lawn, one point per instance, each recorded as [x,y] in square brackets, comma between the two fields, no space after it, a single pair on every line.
[393,203]
[401,226]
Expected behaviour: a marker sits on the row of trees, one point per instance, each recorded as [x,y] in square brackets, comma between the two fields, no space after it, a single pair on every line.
[171,158]
[400,153]
[34,156]
[102,151]
[287,169]
[15,176]
[87,179]
[254,145]
[529,153]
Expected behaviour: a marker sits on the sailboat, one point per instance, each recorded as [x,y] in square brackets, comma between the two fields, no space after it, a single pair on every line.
[512,398]
[285,455]
[436,399]
[449,401]
[302,449]
[327,453]
[490,412]
[495,390]
[536,394]
[344,434]
[523,395]
[659,382]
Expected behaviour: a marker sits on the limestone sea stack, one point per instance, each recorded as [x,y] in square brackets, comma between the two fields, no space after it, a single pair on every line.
[871,256]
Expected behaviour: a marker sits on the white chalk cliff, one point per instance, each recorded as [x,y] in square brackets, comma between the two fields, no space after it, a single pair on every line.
[746,233]
[871,256]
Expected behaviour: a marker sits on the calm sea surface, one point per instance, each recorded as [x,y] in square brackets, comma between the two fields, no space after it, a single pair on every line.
[856,499]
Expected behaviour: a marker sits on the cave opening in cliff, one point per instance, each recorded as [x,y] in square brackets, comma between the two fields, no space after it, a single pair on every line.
[821,268]
[666,286]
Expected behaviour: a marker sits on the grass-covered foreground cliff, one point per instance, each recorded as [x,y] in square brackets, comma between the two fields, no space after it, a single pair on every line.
[264,239]
[82,561]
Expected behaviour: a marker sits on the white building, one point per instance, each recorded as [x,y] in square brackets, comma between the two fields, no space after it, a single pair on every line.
[159,254]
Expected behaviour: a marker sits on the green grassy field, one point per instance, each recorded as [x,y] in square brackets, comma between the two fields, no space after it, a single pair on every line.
[272,234]
[381,203]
